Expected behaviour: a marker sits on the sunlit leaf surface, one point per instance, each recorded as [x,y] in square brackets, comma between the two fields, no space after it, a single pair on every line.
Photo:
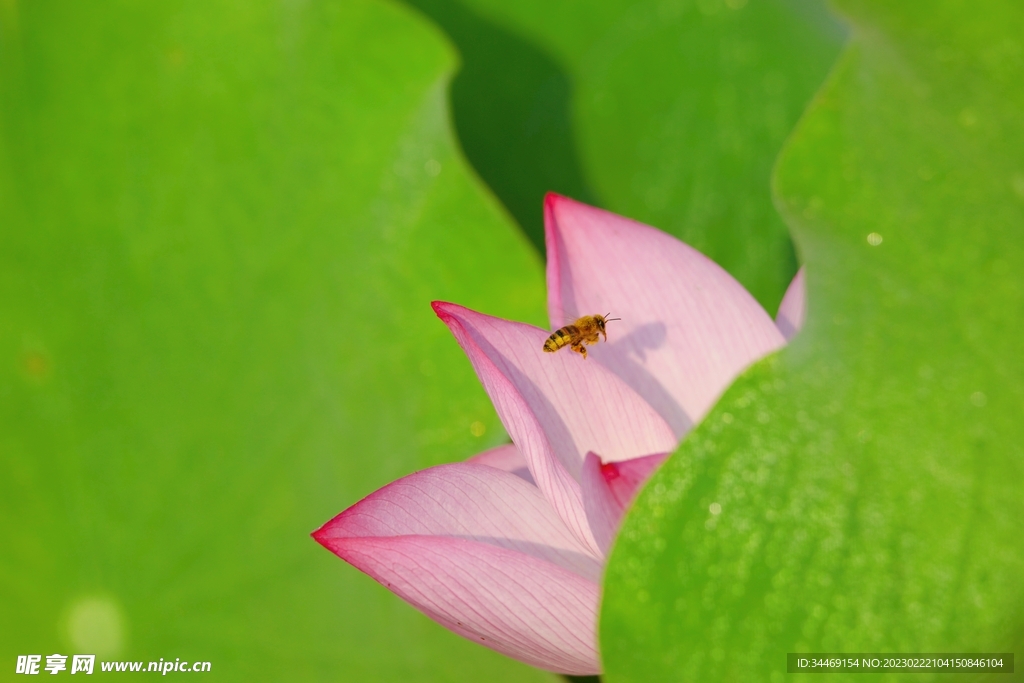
[861,492]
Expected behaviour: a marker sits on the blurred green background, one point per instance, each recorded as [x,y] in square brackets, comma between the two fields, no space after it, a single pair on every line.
[222,223]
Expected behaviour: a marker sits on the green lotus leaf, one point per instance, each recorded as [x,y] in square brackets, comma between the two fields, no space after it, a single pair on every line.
[860,491]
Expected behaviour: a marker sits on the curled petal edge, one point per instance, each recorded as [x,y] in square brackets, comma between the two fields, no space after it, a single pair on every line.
[609,490]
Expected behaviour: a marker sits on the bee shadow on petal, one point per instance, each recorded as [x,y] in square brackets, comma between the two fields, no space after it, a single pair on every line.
[626,356]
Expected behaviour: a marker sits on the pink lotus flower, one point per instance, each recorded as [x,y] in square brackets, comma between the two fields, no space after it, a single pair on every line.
[507,549]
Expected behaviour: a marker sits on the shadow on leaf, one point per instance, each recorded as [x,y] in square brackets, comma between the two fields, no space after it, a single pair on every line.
[510,104]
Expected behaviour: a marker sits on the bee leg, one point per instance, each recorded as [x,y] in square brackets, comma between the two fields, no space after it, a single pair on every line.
[580,349]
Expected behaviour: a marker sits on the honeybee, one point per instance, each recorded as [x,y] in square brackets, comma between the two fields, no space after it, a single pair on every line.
[584,331]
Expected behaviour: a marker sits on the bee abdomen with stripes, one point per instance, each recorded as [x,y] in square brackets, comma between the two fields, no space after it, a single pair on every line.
[587,330]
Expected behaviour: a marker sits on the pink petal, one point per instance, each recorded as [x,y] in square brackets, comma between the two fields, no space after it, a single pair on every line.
[687,329]
[469,501]
[516,604]
[506,458]
[609,489]
[555,406]
[793,308]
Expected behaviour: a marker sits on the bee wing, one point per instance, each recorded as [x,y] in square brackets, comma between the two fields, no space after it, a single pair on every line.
[569,319]
[565,320]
